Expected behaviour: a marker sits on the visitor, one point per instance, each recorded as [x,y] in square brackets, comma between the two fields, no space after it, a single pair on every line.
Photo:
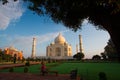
[43,68]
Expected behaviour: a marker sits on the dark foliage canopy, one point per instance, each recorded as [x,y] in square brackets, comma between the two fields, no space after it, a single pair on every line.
[71,13]
[110,50]
[96,57]
[78,56]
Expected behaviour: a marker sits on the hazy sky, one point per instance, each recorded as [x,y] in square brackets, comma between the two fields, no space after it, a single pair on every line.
[18,26]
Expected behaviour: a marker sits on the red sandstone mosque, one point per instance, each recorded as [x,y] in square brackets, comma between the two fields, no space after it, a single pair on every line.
[12,51]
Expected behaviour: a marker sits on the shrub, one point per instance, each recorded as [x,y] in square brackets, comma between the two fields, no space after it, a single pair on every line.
[102,76]
[27,63]
[25,69]
[11,69]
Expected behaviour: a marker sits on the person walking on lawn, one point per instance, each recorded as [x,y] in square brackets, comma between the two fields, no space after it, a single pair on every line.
[43,68]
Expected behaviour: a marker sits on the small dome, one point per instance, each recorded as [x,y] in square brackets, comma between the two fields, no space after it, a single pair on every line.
[12,48]
[60,39]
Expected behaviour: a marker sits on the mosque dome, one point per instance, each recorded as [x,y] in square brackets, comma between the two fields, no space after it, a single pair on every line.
[60,39]
[12,48]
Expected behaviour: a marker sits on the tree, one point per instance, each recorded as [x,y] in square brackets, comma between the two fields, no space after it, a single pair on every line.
[110,50]
[104,14]
[4,57]
[14,58]
[96,57]
[1,54]
[78,56]
[103,55]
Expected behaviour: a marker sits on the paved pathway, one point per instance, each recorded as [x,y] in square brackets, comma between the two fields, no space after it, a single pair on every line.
[10,65]
[29,76]
[5,66]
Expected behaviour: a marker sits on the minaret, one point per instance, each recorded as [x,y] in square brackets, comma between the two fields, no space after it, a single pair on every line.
[81,47]
[76,48]
[33,48]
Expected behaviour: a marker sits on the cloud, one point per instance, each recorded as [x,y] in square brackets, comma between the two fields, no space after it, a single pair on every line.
[27,40]
[10,12]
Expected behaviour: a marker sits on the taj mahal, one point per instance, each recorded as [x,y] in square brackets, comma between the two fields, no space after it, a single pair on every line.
[59,48]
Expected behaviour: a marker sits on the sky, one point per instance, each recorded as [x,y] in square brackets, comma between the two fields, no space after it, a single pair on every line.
[18,26]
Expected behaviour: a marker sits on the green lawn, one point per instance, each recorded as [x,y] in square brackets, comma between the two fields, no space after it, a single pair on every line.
[89,71]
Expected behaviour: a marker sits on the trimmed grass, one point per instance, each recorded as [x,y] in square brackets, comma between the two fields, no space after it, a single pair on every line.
[89,71]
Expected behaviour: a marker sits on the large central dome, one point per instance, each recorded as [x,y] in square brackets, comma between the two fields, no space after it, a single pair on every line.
[60,39]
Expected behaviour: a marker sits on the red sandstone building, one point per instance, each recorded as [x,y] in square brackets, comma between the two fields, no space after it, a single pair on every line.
[14,52]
